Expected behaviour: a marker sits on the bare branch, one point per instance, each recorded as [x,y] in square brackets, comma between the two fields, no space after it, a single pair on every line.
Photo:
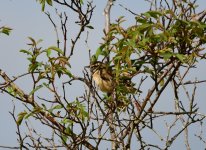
[107,15]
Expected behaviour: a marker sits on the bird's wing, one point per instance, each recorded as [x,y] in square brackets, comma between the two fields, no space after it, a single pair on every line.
[105,75]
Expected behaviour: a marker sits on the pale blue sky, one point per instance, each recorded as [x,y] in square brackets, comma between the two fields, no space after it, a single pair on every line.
[26,19]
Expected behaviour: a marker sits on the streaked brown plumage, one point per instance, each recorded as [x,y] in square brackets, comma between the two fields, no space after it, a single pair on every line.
[103,77]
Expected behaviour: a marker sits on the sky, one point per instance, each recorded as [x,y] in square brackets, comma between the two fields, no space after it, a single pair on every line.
[27,20]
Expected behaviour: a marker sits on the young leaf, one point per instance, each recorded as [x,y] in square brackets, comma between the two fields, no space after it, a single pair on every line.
[34,111]
[99,50]
[39,41]
[67,72]
[48,52]
[34,90]
[181,57]
[49,2]
[166,55]
[26,52]
[6,30]
[21,117]
[42,2]
[153,14]
[57,107]
[90,27]
[56,49]
[67,121]
[94,58]
[64,138]
[10,90]
[34,66]
[81,2]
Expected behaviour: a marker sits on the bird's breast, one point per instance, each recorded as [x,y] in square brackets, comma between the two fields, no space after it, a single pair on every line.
[97,78]
[104,85]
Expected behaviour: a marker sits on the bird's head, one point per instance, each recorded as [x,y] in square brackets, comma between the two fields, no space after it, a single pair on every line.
[97,66]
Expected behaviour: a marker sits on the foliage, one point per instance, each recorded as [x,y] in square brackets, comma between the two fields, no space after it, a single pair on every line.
[5,30]
[44,2]
[160,48]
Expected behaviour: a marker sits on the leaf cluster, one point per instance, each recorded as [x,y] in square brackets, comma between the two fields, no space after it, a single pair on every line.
[55,64]
[5,30]
[157,38]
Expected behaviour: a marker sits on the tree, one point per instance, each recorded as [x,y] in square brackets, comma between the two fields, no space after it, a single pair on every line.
[141,62]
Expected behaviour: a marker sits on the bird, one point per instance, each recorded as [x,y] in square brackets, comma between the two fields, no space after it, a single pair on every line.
[103,77]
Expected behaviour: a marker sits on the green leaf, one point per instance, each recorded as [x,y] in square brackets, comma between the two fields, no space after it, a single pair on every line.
[59,71]
[56,49]
[117,58]
[141,20]
[46,85]
[34,111]
[29,115]
[48,52]
[90,27]
[99,51]
[67,121]
[154,14]
[166,55]
[120,19]
[10,90]
[6,30]
[21,116]
[181,57]
[68,129]
[26,52]
[81,2]
[33,41]
[44,106]
[67,72]
[34,66]
[94,59]
[171,12]
[132,43]
[64,138]
[42,2]
[162,82]
[85,114]
[39,41]
[57,107]
[36,89]
[49,2]
[144,27]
